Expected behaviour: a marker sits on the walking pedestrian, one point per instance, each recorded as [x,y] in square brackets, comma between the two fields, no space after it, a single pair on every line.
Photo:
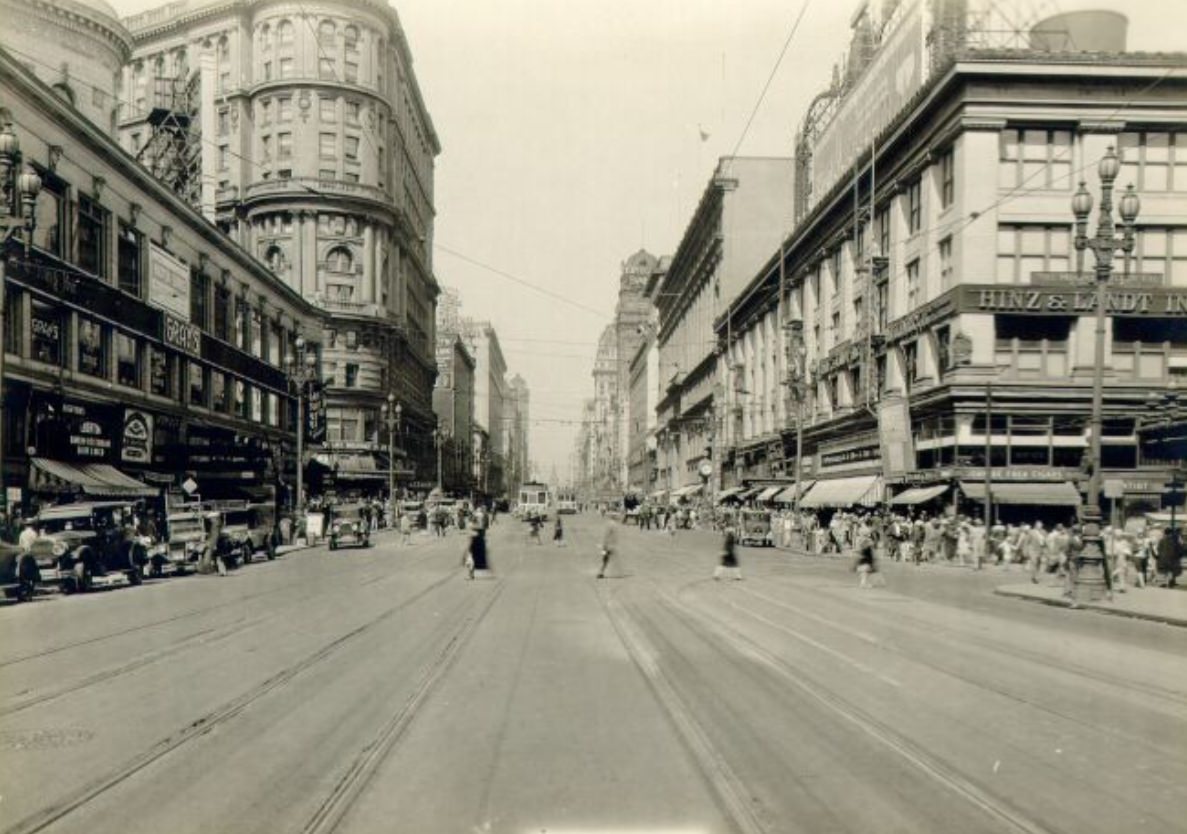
[558,532]
[728,567]
[406,528]
[534,525]
[474,557]
[609,545]
[866,565]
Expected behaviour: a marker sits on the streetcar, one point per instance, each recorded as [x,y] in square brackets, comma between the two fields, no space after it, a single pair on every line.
[566,502]
[534,501]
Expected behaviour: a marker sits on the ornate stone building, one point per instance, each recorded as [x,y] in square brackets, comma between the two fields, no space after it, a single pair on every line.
[316,155]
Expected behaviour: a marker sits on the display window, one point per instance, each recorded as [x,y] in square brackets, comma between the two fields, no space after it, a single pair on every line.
[48,325]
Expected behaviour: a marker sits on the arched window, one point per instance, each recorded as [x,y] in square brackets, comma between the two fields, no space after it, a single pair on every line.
[265,36]
[274,258]
[326,32]
[224,48]
[351,35]
[284,33]
[339,260]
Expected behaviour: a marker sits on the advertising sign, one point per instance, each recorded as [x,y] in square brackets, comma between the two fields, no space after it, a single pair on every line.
[894,435]
[315,412]
[88,433]
[894,76]
[1057,300]
[182,335]
[137,440]
[168,282]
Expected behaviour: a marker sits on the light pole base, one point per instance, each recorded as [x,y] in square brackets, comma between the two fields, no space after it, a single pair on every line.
[1090,579]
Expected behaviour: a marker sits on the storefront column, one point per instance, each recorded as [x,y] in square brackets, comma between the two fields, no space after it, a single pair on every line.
[368,289]
[308,243]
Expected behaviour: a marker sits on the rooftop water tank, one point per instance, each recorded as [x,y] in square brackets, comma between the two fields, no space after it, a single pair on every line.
[1088,31]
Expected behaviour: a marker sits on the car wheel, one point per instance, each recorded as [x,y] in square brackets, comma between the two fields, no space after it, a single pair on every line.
[25,590]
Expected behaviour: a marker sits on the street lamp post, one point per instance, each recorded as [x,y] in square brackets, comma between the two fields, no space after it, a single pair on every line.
[796,355]
[438,439]
[17,212]
[300,370]
[392,411]
[1092,574]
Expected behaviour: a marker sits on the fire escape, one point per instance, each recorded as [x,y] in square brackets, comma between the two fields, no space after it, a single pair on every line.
[173,151]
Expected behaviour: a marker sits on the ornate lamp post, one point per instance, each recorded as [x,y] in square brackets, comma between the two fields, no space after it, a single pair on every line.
[439,436]
[797,353]
[1091,576]
[391,411]
[18,209]
[300,369]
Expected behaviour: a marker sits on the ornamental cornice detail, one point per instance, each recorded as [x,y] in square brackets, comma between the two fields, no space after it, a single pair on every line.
[79,23]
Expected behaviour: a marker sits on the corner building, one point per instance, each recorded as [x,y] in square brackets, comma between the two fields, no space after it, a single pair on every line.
[317,156]
[948,323]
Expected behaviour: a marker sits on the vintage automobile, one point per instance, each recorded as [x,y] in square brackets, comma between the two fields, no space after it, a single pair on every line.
[348,527]
[413,510]
[183,542]
[19,574]
[251,529]
[81,546]
[754,527]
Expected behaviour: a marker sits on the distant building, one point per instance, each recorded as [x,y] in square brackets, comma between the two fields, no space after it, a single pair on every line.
[490,396]
[453,402]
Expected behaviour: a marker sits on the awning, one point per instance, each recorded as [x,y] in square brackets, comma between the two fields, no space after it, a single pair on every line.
[353,465]
[658,495]
[731,492]
[1049,494]
[917,495]
[750,492]
[686,491]
[98,479]
[768,493]
[787,495]
[864,490]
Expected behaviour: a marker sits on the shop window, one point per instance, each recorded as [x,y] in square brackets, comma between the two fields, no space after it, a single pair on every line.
[1119,456]
[90,348]
[162,368]
[127,360]
[129,259]
[1067,457]
[199,390]
[92,237]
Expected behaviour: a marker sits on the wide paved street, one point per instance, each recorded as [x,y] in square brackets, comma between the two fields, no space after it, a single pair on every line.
[378,690]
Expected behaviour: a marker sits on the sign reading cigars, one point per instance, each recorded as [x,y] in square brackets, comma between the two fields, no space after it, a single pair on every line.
[182,335]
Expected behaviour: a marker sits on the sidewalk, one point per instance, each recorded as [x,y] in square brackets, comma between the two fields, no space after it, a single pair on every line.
[1162,605]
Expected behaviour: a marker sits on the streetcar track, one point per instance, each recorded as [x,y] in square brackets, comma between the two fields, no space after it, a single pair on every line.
[203,725]
[336,806]
[930,765]
[728,789]
[194,612]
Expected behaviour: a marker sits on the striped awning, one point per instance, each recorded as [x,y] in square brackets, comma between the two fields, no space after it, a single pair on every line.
[768,493]
[686,491]
[861,490]
[917,495]
[731,492]
[787,495]
[1049,494]
[98,479]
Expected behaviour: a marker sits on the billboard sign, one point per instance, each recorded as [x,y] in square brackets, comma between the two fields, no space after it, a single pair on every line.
[889,82]
[137,438]
[168,282]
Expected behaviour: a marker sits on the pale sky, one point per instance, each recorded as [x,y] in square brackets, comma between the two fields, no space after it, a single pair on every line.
[570,139]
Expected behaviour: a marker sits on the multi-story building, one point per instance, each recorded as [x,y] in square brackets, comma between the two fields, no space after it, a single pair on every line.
[632,318]
[142,347]
[453,403]
[948,323]
[643,395]
[605,453]
[516,422]
[744,212]
[490,396]
[304,127]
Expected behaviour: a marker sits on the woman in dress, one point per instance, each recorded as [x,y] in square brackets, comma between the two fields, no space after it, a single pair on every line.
[729,567]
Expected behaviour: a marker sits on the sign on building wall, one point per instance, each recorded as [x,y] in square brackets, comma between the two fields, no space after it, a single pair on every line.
[894,76]
[894,435]
[182,335]
[168,282]
[136,446]
[315,412]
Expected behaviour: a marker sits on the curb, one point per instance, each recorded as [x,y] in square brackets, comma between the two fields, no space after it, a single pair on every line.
[1061,602]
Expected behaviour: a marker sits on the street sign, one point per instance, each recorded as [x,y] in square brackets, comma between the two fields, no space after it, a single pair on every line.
[189,486]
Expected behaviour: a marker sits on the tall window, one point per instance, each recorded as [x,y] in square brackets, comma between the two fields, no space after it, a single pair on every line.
[284,109]
[351,35]
[222,309]
[913,288]
[224,157]
[352,375]
[352,112]
[882,312]
[196,375]
[1026,250]
[224,121]
[284,33]
[943,336]
[129,263]
[350,72]
[326,32]
[286,67]
[327,145]
[199,299]
[350,147]
[947,168]
[218,391]
[162,367]
[914,207]
[327,109]
[1162,251]
[1035,159]
[48,330]
[284,146]
[946,263]
[274,258]
[127,360]
[1153,161]
[92,357]
[51,215]
[910,364]
[92,237]
[339,260]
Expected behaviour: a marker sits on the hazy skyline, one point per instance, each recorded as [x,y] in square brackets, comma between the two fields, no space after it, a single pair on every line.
[572,136]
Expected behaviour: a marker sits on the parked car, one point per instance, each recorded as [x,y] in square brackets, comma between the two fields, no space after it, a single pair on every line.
[754,527]
[183,542]
[252,530]
[412,509]
[19,574]
[348,527]
[82,546]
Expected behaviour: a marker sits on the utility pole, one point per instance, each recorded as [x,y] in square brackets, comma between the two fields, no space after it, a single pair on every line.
[988,455]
